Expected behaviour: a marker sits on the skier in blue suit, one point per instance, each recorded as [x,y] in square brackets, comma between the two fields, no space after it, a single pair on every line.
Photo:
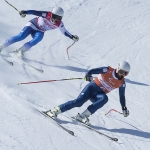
[37,27]
[96,91]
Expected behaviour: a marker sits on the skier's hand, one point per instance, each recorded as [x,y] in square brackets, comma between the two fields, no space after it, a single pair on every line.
[75,38]
[22,13]
[88,77]
[125,111]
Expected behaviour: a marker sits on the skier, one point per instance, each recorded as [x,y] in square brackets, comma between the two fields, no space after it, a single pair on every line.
[107,80]
[37,27]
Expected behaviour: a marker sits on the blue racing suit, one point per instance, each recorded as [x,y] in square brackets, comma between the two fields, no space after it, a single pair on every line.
[93,93]
[36,27]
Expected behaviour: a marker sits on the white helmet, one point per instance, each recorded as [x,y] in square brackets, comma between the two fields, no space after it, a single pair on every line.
[58,11]
[123,65]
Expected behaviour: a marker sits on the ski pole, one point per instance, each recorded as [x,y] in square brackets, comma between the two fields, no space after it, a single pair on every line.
[12,6]
[68,48]
[15,8]
[113,110]
[51,80]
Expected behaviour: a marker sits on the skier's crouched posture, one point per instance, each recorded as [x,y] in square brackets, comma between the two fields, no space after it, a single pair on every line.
[36,27]
[96,91]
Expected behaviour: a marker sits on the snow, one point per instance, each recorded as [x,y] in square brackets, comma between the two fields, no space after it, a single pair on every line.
[110,31]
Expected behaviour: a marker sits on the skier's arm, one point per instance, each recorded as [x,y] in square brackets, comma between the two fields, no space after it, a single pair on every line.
[64,31]
[122,95]
[34,12]
[122,100]
[101,70]
[37,13]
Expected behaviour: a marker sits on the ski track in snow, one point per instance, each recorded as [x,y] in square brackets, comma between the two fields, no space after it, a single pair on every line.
[109,31]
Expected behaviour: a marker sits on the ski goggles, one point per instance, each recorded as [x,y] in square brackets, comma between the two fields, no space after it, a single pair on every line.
[123,72]
[56,17]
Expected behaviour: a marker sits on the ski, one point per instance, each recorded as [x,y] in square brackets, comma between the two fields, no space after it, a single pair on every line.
[91,128]
[9,62]
[62,127]
[25,63]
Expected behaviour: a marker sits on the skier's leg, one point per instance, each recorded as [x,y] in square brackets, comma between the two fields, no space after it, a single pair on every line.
[21,36]
[87,92]
[98,101]
[37,37]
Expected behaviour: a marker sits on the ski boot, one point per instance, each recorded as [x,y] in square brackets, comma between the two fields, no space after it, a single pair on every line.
[54,112]
[84,117]
[20,52]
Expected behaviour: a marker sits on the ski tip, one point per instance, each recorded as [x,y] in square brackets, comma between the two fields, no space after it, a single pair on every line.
[115,139]
[41,70]
[72,133]
[11,63]
[19,83]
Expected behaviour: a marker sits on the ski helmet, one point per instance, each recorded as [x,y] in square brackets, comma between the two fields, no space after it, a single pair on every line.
[57,13]
[123,65]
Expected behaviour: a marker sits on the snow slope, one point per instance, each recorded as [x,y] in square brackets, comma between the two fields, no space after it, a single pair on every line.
[109,31]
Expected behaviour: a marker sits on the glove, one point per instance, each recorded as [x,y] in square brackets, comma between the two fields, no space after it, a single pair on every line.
[125,111]
[88,78]
[22,13]
[75,38]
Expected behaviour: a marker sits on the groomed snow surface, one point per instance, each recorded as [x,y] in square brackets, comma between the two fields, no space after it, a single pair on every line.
[110,31]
